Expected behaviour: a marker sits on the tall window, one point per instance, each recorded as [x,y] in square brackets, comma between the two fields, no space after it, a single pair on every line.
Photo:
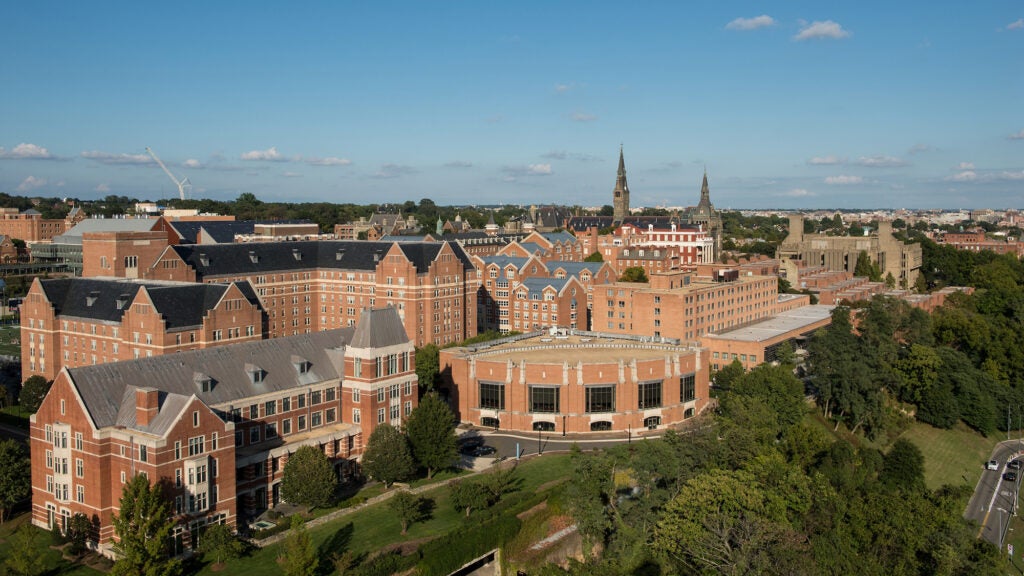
[687,387]
[650,394]
[600,398]
[492,395]
[543,399]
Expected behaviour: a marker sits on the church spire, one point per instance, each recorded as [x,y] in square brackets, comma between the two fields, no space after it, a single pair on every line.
[620,196]
[705,195]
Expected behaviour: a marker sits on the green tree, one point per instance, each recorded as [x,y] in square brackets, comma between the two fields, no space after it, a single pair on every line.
[218,542]
[467,496]
[729,373]
[785,355]
[408,507]
[387,457]
[79,529]
[778,388]
[33,391]
[865,267]
[15,475]
[595,257]
[300,558]
[590,495]
[903,468]
[633,274]
[431,431]
[427,366]
[309,478]
[143,528]
[24,558]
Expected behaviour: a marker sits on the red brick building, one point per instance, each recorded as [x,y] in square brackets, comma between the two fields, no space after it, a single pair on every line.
[577,382]
[214,427]
[30,225]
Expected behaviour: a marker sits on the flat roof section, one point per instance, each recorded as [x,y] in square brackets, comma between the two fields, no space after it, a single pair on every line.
[586,348]
[793,320]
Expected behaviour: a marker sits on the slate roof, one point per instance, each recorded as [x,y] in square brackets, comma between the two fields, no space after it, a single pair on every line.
[556,237]
[503,261]
[575,268]
[537,285]
[108,389]
[181,304]
[74,235]
[379,328]
[219,230]
[262,257]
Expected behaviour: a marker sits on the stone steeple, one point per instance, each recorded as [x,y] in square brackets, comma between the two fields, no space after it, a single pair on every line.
[620,199]
[705,195]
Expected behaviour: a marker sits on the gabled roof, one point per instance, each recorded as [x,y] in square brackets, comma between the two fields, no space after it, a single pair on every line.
[105,388]
[379,328]
[180,303]
[556,237]
[575,268]
[503,261]
[537,285]
[222,231]
[263,257]
[533,247]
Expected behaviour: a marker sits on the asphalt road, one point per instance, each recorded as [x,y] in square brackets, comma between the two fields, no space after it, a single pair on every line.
[506,442]
[993,501]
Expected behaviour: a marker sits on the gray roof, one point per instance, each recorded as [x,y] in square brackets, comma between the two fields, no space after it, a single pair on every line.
[794,319]
[219,230]
[539,284]
[556,237]
[379,328]
[503,261]
[181,304]
[575,268]
[262,257]
[74,235]
[108,389]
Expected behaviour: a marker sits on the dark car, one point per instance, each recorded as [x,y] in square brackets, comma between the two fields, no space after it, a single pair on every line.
[1014,465]
[1010,476]
[483,451]
[468,444]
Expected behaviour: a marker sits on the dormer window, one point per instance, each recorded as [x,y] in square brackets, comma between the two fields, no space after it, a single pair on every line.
[256,374]
[91,298]
[121,301]
[204,383]
[253,257]
[296,254]
[301,365]
[204,259]
[339,254]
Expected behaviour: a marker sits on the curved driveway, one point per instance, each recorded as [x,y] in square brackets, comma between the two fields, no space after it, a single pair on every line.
[994,498]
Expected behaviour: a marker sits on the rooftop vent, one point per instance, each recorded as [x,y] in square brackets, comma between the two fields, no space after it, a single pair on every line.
[122,301]
[91,298]
[253,257]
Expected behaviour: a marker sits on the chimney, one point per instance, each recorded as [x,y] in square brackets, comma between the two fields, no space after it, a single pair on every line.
[147,404]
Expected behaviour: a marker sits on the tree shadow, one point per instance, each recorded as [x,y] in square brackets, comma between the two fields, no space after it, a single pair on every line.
[425,509]
[335,546]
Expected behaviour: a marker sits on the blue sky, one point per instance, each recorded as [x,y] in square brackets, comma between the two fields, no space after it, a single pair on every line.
[787,104]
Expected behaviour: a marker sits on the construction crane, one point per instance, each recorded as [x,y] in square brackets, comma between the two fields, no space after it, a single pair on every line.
[182,184]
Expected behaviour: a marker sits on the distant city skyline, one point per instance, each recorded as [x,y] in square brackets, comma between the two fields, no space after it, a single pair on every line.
[790,105]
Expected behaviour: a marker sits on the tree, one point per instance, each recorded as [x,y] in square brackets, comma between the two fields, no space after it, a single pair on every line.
[309,478]
[387,457]
[724,378]
[633,274]
[33,391]
[300,557]
[595,257]
[24,558]
[79,528]
[15,475]
[431,430]
[865,267]
[408,507]
[143,528]
[427,366]
[904,467]
[218,541]
[468,496]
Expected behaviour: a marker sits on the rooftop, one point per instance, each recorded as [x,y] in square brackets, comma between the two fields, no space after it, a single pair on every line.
[786,322]
[573,347]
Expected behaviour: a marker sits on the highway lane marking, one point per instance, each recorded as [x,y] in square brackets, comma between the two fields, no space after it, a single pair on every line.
[991,502]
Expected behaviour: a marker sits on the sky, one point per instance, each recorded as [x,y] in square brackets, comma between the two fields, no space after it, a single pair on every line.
[789,104]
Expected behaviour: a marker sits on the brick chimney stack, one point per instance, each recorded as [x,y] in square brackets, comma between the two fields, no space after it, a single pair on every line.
[147,404]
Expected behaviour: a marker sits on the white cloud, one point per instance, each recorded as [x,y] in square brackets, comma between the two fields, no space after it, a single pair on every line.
[842,180]
[826,160]
[269,155]
[103,187]
[1017,136]
[880,161]
[458,164]
[539,169]
[582,117]
[965,166]
[31,183]
[754,23]
[564,155]
[821,30]
[394,171]
[1016,25]
[798,193]
[329,161]
[192,163]
[918,148]
[1005,175]
[965,176]
[528,170]
[115,159]
[26,151]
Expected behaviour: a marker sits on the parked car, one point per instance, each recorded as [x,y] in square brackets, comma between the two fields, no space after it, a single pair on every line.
[483,451]
[1013,465]
[992,465]
[468,444]
[1010,476]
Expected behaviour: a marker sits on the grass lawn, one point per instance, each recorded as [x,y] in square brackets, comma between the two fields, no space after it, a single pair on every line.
[376,527]
[53,563]
[9,335]
[954,456]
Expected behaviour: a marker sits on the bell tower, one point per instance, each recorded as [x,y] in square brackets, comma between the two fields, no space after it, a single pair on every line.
[620,196]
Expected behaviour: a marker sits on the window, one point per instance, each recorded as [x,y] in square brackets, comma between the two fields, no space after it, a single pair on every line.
[79,467]
[380,416]
[254,411]
[543,399]
[286,426]
[408,408]
[143,453]
[270,408]
[600,398]
[381,394]
[196,445]
[330,394]
[254,434]
[492,395]
[330,415]
[314,397]
[687,387]
[177,477]
[78,440]
[302,423]
[177,450]
[396,411]
[80,493]
[300,401]
[271,430]
[195,419]
[286,404]
[650,394]
[356,416]
[213,441]
[315,419]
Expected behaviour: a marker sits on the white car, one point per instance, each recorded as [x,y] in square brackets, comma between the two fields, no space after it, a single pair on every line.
[992,465]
